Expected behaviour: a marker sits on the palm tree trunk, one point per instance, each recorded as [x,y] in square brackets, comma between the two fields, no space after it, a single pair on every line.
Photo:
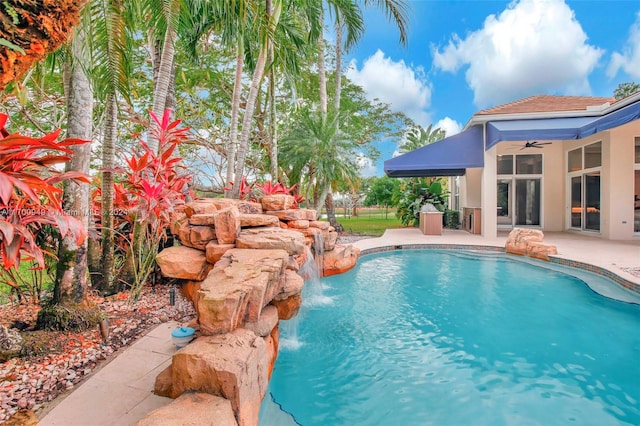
[235,112]
[71,274]
[108,162]
[247,120]
[161,88]
[331,212]
[338,89]
[273,123]
[322,75]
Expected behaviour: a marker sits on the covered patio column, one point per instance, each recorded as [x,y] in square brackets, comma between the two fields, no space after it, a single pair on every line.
[489,194]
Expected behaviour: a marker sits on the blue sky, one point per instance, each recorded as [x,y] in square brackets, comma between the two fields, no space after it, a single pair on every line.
[463,56]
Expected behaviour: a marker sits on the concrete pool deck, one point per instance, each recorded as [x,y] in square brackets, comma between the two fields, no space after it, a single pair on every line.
[121,392]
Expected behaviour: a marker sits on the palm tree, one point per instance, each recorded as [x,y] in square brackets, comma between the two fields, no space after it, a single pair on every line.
[110,74]
[419,136]
[71,272]
[318,133]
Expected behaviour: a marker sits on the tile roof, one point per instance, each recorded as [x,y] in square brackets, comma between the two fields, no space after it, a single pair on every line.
[546,103]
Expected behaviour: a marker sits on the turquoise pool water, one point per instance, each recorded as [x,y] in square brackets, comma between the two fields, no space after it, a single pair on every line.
[426,337]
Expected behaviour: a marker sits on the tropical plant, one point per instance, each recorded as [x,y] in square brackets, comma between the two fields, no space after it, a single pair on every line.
[151,188]
[418,136]
[626,89]
[414,193]
[29,195]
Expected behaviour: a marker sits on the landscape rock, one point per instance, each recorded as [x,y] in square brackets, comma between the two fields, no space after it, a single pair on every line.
[294,214]
[541,251]
[201,206]
[253,220]
[519,239]
[199,236]
[202,219]
[277,202]
[183,262]
[289,307]
[192,409]
[271,238]
[227,225]
[240,285]
[266,323]
[341,259]
[232,365]
[214,250]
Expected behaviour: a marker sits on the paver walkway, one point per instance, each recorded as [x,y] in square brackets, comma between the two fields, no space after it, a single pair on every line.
[121,392]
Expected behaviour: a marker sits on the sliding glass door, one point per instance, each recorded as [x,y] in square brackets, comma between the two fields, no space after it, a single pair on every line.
[584,165]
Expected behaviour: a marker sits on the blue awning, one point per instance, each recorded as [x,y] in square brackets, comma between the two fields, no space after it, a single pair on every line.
[616,118]
[536,129]
[447,157]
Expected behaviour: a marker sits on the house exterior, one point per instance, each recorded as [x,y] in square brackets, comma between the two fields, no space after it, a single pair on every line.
[555,163]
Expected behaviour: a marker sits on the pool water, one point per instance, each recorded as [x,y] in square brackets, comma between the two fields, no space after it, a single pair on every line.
[428,337]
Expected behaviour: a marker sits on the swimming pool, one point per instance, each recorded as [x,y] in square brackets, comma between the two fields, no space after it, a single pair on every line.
[430,337]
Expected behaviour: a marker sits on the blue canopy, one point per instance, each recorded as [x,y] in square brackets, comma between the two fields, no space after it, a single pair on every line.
[616,118]
[447,157]
[536,129]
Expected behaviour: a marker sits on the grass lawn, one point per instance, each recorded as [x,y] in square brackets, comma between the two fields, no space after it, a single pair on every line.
[369,221]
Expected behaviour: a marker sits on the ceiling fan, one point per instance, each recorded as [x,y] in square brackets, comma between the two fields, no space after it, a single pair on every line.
[533,144]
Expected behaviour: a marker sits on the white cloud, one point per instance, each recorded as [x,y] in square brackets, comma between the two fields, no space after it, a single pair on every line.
[532,47]
[449,125]
[403,87]
[367,167]
[629,59]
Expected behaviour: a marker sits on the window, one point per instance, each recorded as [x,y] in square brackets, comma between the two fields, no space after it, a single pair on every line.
[505,164]
[593,155]
[584,187]
[519,187]
[575,160]
[530,164]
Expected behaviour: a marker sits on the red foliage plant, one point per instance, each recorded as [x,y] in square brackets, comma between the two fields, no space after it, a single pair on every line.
[29,195]
[153,184]
[256,190]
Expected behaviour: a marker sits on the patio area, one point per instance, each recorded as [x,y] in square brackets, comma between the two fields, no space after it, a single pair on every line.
[621,258]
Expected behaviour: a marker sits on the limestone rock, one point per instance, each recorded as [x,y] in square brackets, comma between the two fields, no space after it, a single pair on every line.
[227,225]
[298,224]
[183,262]
[249,207]
[253,220]
[519,239]
[190,289]
[291,285]
[162,386]
[541,251]
[271,238]
[320,224]
[202,219]
[294,214]
[199,236]
[289,307]
[214,250]
[330,239]
[232,365]
[198,409]
[240,285]
[266,323]
[176,220]
[277,202]
[272,342]
[340,259]
[201,206]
